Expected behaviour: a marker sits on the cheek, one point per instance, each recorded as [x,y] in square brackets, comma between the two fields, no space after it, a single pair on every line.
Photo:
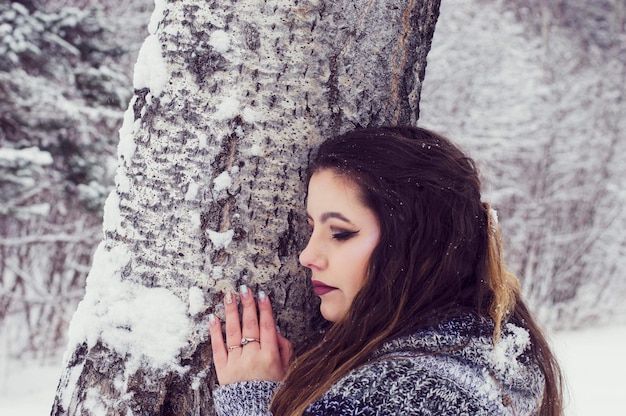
[359,257]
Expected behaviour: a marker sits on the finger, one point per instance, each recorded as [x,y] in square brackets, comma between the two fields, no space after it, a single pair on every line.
[233,327]
[285,347]
[266,322]
[217,342]
[249,320]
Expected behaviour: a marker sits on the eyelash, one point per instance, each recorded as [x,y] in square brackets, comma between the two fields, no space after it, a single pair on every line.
[344,235]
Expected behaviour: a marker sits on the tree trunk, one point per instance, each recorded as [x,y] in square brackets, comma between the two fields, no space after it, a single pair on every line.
[230,98]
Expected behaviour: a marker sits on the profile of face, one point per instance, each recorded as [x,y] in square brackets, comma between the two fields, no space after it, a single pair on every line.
[344,235]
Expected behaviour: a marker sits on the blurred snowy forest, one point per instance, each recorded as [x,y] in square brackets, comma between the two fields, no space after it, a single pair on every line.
[533,89]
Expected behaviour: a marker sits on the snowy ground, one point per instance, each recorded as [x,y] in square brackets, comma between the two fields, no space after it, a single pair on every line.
[593,360]
[594,363]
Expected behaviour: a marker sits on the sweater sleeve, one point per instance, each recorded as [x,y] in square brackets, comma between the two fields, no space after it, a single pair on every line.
[247,398]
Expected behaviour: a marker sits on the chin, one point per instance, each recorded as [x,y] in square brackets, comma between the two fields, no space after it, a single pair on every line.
[331,314]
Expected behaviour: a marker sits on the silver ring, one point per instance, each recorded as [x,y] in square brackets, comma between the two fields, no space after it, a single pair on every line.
[246,340]
[232,347]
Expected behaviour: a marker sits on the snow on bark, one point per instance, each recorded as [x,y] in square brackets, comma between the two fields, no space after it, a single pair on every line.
[230,99]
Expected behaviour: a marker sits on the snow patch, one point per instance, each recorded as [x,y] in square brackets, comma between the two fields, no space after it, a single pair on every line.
[227,109]
[112,214]
[217,273]
[250,116]
[150,69]
[494,215]
[196,301]
[221,240]
[127,146]
[192,191]
[122,182]
[94,403]
[256,150]
[223,181]
[148,325]
[220,41]
[514,341]
[157,16]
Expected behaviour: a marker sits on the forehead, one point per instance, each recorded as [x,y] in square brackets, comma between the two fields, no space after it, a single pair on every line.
[332,182]
[328,189]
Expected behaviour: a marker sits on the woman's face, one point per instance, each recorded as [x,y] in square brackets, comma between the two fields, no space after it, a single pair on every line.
[344,234]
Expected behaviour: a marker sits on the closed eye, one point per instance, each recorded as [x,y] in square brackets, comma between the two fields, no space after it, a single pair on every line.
[344,235]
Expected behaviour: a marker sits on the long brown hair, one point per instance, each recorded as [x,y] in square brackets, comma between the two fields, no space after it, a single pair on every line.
[439,256]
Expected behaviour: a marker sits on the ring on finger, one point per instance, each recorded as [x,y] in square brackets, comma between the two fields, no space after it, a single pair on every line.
[232,347]
[246,340]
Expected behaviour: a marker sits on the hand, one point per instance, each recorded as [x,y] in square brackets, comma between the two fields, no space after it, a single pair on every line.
[267,357]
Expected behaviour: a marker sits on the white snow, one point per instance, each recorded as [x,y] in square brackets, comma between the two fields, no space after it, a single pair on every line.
[28,155]
[151,69]
[217,273]
[192,191]
[157,16]
[122,182]
[494,215]
[221,182]
[72,377]
[112,215]
[42,209]
[227,109]
[594,366]
[593,361]
[256,150]
[250,115]
[149,324]
[127,146]
[196,301]
[220,41]
[94,403]
[221,240]
[510,346]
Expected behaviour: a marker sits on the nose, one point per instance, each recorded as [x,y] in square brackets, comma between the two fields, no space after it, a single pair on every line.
[312,257]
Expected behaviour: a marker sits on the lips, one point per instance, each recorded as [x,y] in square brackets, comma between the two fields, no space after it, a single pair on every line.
[320,288]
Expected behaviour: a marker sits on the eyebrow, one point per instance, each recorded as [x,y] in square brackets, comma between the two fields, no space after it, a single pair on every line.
[328,215]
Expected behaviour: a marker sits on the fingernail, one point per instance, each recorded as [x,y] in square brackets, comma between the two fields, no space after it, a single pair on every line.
[212,319]
[262,296]
[229,298]
[243,291]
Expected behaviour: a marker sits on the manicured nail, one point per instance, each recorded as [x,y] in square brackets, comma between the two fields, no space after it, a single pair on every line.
[243,291]
[229,298]
[212,319]
[262,296]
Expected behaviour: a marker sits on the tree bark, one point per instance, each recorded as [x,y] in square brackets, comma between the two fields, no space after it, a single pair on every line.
[230,98]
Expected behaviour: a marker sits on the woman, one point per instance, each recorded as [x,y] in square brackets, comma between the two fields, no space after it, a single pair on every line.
[406,260]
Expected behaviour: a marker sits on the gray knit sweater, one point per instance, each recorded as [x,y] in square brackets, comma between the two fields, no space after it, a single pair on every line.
[453,369]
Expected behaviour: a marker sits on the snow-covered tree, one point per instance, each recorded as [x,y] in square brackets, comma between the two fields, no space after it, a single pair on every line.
[230,98]
[62,93]
[543,111]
